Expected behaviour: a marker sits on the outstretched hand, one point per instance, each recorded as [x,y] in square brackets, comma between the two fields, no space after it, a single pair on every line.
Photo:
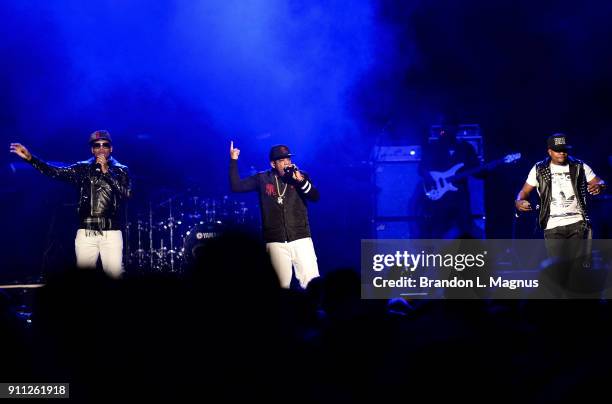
[21,151]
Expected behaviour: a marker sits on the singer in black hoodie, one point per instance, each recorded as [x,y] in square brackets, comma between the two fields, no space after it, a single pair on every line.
[104,185]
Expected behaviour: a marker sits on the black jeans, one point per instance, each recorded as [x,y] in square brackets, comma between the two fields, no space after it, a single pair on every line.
[569,247]
[579,230]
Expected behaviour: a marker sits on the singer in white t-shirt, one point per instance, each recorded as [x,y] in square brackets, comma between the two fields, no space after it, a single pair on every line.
[563,184]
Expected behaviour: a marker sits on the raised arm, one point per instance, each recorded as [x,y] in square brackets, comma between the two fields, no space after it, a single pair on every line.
[237,184]
[69,173]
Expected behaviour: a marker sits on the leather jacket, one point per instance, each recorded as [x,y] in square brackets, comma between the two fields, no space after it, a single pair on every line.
[100,194]
[579,183]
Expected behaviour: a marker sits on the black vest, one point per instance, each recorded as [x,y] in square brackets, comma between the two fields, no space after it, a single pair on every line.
[579,183]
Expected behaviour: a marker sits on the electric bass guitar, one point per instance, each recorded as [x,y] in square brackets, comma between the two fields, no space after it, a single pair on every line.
[443,181]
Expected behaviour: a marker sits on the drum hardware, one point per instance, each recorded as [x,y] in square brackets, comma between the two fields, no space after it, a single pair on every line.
[168,239]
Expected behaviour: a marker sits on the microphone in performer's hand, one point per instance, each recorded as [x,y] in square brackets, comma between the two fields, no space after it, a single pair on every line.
[290,170]
[97,165]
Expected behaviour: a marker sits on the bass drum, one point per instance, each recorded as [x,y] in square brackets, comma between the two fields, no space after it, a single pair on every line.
[197,237]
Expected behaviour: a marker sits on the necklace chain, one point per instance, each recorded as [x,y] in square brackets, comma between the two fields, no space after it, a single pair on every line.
[278,188]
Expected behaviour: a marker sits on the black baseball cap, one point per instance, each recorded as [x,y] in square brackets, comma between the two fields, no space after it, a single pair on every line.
[558,142]
[280,151]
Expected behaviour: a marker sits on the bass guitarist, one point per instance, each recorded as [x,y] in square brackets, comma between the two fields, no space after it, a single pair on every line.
[449,216]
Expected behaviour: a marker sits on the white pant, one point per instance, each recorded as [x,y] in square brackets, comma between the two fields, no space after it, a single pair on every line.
[300,254]
[108,245]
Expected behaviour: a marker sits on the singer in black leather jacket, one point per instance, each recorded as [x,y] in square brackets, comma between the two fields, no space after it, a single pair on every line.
[101,194]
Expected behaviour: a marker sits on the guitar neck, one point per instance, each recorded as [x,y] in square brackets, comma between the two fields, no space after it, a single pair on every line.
[475,170]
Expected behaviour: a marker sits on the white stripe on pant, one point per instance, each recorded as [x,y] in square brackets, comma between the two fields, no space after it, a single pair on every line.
[108,245]
[298,253]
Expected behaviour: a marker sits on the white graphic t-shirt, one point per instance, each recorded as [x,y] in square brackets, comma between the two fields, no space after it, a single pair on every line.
[564,207]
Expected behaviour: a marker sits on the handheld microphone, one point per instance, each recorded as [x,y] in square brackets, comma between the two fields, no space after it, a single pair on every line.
[289,170]
[97,166]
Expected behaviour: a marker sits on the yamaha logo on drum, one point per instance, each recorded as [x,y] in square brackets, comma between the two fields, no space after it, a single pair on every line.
[200,235]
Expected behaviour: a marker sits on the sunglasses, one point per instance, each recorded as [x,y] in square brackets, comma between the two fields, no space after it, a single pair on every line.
[98,145]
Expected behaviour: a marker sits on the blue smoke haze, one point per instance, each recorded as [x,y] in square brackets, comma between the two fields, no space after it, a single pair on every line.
[258,72]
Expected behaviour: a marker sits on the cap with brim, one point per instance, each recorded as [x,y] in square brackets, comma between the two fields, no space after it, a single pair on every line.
[100,135]
[280,152]
[558,143]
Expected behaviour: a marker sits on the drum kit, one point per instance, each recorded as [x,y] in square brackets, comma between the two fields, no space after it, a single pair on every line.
[167,236]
